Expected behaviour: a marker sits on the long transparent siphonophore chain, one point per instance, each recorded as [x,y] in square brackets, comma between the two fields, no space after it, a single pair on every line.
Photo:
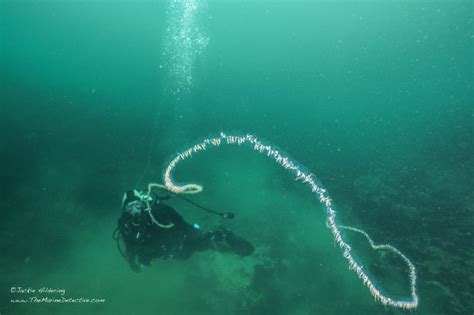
[323,197]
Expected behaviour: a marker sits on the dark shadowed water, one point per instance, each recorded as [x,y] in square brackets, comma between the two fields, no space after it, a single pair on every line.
[373,97]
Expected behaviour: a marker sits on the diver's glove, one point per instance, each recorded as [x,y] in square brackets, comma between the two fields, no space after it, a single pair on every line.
[135,265]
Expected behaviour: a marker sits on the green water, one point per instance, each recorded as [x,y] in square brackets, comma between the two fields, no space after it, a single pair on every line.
[373,97]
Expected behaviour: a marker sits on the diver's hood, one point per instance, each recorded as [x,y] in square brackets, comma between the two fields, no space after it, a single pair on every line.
[129,196]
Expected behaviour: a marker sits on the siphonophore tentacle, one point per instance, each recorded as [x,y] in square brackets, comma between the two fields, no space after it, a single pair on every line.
[321,194]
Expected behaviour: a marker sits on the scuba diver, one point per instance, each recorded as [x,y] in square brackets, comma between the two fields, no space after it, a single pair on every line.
[151,229]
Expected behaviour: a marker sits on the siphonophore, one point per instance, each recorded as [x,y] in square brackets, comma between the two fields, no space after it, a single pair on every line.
[410,302]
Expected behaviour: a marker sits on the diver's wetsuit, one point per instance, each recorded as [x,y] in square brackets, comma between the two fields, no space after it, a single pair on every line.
[144,240]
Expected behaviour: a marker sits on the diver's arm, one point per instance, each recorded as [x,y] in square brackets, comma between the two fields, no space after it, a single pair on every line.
[129,235]
[166,214]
